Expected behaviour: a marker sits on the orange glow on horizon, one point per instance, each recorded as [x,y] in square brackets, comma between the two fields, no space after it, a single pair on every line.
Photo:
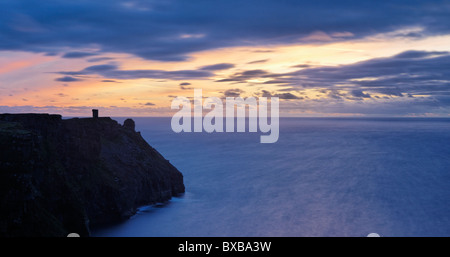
[29,79]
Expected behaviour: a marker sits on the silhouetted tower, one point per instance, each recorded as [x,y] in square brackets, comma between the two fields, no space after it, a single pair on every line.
[95,113]
[129,124]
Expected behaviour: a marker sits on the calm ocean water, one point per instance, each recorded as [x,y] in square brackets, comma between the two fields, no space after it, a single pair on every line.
[324,177]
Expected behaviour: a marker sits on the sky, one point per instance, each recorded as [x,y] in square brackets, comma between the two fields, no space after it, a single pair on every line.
[132,58]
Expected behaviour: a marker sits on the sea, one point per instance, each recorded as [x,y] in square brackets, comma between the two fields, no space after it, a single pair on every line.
[324,177]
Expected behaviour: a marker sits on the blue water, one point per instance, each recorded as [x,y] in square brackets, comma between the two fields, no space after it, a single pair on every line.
[324,177]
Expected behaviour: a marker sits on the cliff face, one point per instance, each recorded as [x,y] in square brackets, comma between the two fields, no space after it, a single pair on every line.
[59,176]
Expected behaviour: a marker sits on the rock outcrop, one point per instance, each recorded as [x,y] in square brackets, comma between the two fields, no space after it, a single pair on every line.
[60,176]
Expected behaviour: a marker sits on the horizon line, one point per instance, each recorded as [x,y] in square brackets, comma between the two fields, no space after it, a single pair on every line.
[314,117]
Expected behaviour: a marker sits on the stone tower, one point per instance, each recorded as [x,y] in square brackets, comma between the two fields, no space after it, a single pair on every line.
[94,113]
[129,124]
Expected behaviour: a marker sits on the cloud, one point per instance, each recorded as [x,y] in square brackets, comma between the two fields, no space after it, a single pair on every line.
[220,66]
[320,36]
[263,51]
[390,91]
[258,61]
[301,66]
[67,79]
[287,96]
[277,81]
[335,94]
[172,30]
[283,96]
[245,75]
[77,54]
[359,93]
[233,92]
[184,86]
[100,68]
[342,34]
[317,36]
[412,77]
[156,74]
[51,54]
[113,71]
[412,54]
[410,72]
[99,59]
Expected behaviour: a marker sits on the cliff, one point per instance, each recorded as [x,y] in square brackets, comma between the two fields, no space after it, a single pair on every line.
[60,176]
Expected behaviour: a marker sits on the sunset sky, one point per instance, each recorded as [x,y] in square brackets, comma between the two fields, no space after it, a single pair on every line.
[131,58]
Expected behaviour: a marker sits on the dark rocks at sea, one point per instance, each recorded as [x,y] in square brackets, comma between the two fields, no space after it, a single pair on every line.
[64,176]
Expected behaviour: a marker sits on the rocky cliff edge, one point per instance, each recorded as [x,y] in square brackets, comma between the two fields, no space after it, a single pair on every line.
[66,175]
